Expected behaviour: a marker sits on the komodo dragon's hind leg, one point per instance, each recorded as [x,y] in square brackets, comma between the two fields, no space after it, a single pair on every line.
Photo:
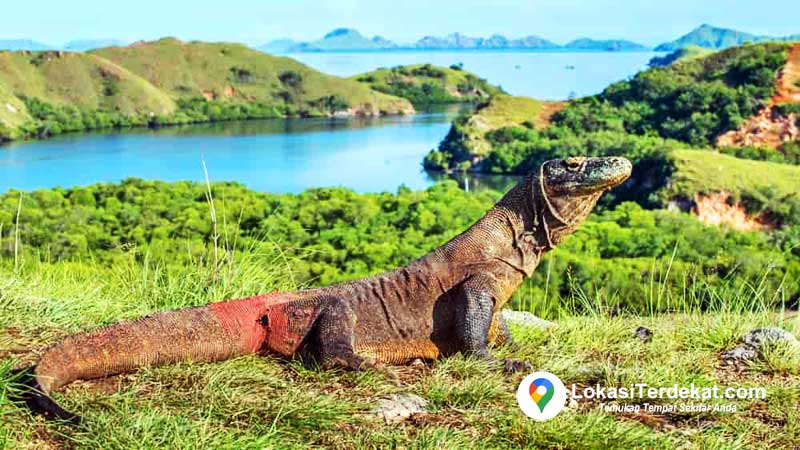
[336,340]
[475,319]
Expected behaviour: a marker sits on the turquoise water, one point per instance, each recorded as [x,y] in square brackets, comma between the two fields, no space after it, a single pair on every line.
[367,155]
[546,76]
[267,155]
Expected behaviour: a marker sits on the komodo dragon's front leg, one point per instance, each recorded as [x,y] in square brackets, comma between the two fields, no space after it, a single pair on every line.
[475,318]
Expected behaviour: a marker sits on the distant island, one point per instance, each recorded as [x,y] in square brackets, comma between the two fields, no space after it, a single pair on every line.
[79,45]
[349,40]
[346,39]
[715,38]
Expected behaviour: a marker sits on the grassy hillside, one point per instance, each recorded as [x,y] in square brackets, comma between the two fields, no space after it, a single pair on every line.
[467,142]
[13,113]
[681,54]
[80,80]
[235,73]
[709,171]
[426,84]
[765,191]
[169,82]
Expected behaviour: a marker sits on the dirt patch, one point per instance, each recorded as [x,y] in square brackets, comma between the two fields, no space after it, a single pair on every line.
[209,95]
[229,91]
[714,209]
[549,109]
[768,128]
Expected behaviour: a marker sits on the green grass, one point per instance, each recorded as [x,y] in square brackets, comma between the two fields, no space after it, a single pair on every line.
[264,402]
[700,171]
[80,80]
[13,112]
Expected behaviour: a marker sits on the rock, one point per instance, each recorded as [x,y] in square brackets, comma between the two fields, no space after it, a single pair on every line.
[395,408]
[756,341]
[525,319]
[739,354]
[763,337]
[644,334]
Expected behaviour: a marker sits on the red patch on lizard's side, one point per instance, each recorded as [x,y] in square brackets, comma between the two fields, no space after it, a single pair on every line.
[242,318]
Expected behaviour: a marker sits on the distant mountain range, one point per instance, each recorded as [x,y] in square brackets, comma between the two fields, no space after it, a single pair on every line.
[715,38]
[85,45]
[81,45]
[22,44]
[346,39]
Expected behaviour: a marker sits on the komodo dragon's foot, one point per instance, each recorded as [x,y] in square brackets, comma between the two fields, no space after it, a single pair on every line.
[359,363]
[515,366]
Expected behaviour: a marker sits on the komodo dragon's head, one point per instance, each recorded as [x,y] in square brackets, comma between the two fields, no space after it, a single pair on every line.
[569,189]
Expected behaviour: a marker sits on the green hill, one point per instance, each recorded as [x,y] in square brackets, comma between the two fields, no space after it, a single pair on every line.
[716,38]
[689,103]
[426,84]
[238,74]
[80,80]
[169,82]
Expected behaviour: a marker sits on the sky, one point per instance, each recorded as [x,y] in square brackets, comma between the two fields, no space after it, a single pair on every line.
[257,22]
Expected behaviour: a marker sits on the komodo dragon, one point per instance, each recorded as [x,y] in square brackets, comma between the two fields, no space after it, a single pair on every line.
[446,302]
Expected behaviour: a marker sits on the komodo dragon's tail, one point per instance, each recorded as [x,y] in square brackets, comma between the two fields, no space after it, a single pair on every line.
[206,333]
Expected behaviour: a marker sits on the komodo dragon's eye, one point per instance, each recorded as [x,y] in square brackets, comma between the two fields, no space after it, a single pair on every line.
[573,164]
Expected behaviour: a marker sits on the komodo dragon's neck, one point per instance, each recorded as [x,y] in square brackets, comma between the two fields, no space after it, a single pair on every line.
[516,231]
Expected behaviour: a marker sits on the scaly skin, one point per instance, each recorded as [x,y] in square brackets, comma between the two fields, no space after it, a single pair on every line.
[446,302]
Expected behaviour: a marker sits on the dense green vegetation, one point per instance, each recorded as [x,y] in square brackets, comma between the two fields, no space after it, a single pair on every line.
[693,101]
[327,235]
[425,84]
[47,93]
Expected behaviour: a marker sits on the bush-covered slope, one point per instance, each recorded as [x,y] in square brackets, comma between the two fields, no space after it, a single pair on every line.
[424,84]
[236,73]
[692,102]
[469,140]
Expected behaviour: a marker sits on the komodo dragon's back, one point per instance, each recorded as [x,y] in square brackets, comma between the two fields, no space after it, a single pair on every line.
[442,303]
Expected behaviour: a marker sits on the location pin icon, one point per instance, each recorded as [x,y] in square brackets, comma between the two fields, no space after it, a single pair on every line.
[541,392]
